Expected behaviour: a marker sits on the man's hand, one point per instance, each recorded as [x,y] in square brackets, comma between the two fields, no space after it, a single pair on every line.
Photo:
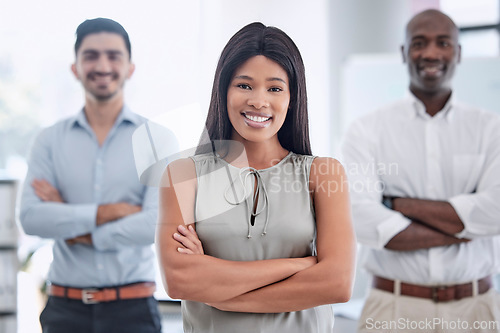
[111,212]
[436,214]
[84,239]
[434,224]
[45,191]
[418,236]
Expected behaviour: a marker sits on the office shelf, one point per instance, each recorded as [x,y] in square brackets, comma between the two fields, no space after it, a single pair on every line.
[9,263]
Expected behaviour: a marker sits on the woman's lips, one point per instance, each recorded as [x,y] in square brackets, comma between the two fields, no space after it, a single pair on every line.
[256,120]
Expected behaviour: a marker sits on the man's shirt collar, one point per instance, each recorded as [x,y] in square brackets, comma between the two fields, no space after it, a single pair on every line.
[125,115]
[419,110]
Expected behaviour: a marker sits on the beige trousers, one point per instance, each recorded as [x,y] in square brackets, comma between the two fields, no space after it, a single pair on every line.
[386,312]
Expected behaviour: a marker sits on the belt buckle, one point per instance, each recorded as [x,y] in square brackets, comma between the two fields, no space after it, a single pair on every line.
[435,293]
[88,296]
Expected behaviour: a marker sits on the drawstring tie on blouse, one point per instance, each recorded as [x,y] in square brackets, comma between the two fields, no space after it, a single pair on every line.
[243,176]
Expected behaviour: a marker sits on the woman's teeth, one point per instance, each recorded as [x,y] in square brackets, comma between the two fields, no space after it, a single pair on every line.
[257,119]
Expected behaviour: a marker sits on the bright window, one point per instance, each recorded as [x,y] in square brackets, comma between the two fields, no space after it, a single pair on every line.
[479,23]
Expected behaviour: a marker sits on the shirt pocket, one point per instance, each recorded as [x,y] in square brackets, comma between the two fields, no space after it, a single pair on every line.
[467,169]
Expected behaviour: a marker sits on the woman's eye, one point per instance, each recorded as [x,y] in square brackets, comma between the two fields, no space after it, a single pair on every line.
[275,89]
[243,86]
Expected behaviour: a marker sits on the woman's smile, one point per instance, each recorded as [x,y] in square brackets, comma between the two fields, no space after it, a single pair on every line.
[257,99]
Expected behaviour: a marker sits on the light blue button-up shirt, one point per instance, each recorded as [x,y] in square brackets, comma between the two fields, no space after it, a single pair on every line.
[87,175]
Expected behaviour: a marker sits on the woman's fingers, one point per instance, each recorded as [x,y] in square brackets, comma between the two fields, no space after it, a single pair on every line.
[184,250]
[190,234]
[190,227]
[187,236]
[183,240]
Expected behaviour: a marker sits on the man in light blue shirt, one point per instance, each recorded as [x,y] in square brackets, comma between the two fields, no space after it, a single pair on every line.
[82,190]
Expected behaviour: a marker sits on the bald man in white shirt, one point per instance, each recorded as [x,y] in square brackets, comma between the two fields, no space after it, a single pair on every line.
[425,186]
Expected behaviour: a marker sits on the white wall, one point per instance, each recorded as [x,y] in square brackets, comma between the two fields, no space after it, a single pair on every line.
[175,45]
[358,27]
[306,22]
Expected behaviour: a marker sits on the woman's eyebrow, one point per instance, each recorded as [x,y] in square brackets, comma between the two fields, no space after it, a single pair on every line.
[276,79]
[246,77]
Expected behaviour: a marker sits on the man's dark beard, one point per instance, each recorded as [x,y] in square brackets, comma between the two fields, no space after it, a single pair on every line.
[104,98]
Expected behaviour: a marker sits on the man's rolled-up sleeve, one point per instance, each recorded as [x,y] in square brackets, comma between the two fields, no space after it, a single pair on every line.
[136,229]
[480,210]
[51,219]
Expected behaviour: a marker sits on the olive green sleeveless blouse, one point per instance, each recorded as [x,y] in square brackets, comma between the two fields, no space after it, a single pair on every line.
[247,214]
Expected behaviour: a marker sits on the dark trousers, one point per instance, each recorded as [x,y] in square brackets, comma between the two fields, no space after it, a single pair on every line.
[62,315]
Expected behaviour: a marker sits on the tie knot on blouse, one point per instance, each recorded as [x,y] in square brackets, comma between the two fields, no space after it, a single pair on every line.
[256,203]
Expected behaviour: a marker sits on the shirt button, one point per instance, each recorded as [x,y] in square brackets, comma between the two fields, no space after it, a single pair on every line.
[99,161]
[100,266]
[97,187]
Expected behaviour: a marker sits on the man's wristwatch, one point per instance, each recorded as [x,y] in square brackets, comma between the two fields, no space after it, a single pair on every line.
[387,201]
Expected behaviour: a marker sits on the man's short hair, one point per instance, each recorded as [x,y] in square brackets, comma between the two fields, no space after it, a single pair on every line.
[97,25]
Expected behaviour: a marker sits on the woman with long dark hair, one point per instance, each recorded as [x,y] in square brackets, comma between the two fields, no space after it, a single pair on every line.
[255,233]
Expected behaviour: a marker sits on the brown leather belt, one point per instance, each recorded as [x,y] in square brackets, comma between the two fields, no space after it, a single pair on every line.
[435,293]
[98,295]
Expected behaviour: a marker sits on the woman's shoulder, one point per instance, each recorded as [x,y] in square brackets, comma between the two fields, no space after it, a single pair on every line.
[182,167]
[180,163]
[327,175]
[327,163]
[195,165]
[191,161]
[301,157]
[202,157]
[326,167]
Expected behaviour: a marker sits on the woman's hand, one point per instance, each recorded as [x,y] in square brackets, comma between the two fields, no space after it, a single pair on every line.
[235,303]
[188,239]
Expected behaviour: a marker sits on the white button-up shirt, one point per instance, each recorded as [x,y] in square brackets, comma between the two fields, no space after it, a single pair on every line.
[402,151]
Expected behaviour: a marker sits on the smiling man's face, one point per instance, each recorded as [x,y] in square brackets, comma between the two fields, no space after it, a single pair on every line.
[432,52]
[103,65]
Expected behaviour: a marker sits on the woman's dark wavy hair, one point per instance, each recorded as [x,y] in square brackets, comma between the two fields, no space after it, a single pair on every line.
[252,40]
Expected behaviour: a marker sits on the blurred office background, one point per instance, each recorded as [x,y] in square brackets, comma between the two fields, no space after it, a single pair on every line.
[353,65]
